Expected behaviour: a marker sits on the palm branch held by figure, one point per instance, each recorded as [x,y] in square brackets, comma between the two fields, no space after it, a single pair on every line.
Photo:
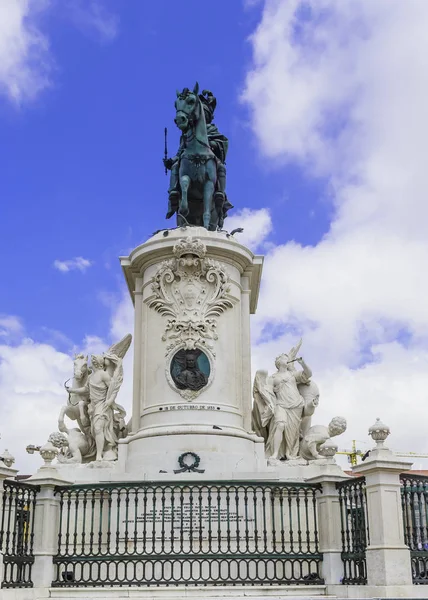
[106,416]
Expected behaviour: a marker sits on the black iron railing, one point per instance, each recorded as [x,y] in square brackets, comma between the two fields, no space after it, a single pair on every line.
[17,533]
[188,533]
[355,530]
[414,502]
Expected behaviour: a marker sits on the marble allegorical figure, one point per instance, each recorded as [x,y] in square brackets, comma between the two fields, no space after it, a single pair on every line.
[106,417]
[280,412]
[317,435]
[74,446]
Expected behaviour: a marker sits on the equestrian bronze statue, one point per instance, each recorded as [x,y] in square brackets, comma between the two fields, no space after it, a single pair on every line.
[197,191]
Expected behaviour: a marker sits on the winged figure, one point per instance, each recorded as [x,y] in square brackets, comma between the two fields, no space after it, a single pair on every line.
[283,405]
[106,416]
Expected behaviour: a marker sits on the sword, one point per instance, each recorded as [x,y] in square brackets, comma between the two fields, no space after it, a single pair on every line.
[166,147]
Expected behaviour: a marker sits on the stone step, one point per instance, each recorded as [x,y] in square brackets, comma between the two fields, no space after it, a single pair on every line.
[290,592]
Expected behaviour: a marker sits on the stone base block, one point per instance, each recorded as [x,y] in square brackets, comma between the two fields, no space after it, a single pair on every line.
[377,591]
[255,592]
[154,451]
[388,566]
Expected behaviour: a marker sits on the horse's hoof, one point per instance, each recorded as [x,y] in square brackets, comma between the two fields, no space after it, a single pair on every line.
[169,214]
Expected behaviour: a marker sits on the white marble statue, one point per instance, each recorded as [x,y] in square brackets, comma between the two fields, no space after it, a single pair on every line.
[280,411]
[317,435]
[76,408]
[106,417]
[74,446]
[310,394]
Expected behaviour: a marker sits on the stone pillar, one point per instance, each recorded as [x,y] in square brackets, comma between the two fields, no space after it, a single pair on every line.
[329,527]
[5,473]
[193,292]
[387,557]
[246,351]
[139,348]
[46,525]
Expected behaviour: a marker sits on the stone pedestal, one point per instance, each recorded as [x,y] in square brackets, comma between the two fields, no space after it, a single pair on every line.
[388,558]
[330,539]
[46,525]
[193,292]
[5,473]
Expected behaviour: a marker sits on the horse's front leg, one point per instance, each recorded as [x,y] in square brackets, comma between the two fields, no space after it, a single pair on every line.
[82,413]
[184,205]
[209,187]
[208,197]
[61,423]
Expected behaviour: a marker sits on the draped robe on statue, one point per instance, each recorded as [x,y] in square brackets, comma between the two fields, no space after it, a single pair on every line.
[288,412]
[278,405]
[102,413]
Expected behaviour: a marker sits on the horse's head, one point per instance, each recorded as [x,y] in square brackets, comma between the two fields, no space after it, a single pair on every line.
[80,366]
[188,108]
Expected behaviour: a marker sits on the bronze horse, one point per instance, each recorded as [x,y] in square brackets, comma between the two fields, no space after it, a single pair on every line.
[197,173]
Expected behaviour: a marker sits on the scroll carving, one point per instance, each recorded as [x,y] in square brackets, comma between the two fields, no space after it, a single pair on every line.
[192,291]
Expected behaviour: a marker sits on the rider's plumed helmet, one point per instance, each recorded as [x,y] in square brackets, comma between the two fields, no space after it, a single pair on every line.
[209,103]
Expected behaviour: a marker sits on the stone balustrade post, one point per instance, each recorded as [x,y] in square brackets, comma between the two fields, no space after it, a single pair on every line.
[5,473]
[46,525]
[329,527]
[387,557]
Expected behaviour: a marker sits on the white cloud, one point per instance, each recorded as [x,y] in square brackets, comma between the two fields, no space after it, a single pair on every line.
[31,377]
[10,326]
[91,17]
[25,62]
[31,383]
[257,225]
[339,88]
[74,264]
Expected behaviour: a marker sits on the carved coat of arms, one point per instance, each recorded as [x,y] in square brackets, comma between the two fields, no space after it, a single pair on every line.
[192,291]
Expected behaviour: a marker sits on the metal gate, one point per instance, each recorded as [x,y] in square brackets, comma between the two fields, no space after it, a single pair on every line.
[355,530]
[414,502]
[183,533]
[17,533]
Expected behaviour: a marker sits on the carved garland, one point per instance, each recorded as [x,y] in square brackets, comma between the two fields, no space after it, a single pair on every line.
[193,291]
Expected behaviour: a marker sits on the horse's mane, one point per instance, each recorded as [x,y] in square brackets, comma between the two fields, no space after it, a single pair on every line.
[186,92]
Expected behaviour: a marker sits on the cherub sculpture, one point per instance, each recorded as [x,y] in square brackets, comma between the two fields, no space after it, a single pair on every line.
[317,435]
[280,408]
[75,446]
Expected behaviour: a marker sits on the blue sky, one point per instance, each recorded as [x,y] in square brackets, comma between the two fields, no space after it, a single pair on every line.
[324,103]
[82,171]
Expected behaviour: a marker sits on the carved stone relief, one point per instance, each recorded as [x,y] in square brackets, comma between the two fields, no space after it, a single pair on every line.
[192,291]
[190,372]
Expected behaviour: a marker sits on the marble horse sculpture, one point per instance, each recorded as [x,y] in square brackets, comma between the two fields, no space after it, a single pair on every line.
[76,408]
[106,417]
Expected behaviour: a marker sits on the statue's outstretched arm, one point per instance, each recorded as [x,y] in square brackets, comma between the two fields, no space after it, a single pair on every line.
[79,391]
[306,370]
